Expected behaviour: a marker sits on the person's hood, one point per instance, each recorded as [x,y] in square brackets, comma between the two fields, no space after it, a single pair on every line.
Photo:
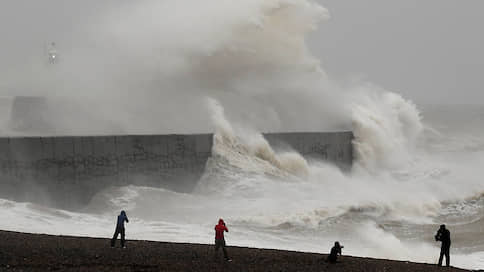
[221,221]
[123,213]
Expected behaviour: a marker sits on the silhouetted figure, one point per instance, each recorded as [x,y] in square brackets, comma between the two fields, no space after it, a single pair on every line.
[335,251]
[219,238]
[120,229]
[443,235]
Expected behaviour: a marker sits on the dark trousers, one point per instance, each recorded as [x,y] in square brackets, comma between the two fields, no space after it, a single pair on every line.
[221,243]
[444,250]
[115,236]
[332,258]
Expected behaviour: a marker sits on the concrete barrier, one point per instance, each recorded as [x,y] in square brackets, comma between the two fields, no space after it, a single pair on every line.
[67,172]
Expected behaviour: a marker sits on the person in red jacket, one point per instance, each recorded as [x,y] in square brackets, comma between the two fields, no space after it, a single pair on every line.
[219,238]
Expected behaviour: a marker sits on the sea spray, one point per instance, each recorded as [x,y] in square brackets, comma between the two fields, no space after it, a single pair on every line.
[244,150]
[251,58]
[386,129]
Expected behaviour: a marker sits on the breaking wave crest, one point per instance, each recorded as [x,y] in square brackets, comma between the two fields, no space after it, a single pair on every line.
[386,129]
[247,63]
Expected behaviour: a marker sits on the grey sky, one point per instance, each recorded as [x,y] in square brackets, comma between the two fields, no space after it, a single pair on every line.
[431,51]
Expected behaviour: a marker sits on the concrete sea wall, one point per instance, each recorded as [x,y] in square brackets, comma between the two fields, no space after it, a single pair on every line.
[67,172]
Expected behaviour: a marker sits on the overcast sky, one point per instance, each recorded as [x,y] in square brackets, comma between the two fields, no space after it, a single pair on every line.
[431,51]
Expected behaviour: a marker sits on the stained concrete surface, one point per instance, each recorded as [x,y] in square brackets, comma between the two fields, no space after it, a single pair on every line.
[66,172]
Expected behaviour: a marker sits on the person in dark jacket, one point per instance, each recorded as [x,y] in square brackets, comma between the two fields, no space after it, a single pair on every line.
[443,235]
[220,239]
[120,229]
[335,251]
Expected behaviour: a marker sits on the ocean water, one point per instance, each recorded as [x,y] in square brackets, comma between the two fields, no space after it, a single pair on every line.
[279,200]
[415,167]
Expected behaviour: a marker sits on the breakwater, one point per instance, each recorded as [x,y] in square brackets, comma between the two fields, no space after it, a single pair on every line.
[68,171]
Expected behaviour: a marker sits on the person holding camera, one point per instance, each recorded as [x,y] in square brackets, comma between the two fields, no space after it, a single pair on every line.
[120,229]
[219,238]
[443,235]
[335,251]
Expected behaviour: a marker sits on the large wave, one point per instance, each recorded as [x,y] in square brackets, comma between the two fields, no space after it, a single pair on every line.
[248,61]
[252,57]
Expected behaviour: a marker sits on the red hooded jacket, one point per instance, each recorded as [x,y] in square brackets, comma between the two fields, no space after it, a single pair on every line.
[219,229]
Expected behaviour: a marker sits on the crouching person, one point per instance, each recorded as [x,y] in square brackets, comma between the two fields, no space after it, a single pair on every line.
[120,229]
[219,238]
[335,251]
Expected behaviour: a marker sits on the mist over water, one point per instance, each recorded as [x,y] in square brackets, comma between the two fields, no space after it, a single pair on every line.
[240,69]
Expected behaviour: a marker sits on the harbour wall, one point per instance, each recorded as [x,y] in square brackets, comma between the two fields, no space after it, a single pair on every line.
[66,172]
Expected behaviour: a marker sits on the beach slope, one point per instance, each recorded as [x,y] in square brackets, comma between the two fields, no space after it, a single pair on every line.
[38,252]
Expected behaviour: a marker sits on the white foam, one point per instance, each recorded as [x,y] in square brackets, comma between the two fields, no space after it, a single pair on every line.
[251,59]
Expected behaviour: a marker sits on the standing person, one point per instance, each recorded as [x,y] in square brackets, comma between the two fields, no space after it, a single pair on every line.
[219,238]
[443,235]
[335,251]
[120,229]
